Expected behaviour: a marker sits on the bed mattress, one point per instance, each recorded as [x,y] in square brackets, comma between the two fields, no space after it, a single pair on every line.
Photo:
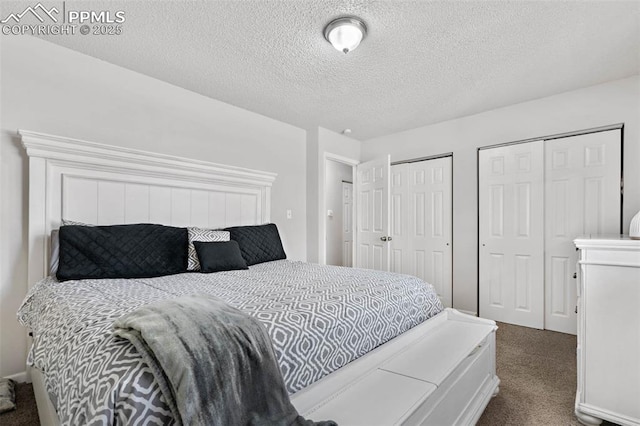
[319,319]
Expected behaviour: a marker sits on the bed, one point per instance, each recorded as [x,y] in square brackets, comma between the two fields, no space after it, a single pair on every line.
[402,360]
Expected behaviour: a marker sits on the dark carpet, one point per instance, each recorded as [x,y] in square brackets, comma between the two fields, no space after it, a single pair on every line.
[537,369]
[26,413]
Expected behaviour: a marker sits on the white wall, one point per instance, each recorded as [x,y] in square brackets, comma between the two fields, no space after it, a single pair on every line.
[50,89]
[321,142]
[609,103]
[335,174]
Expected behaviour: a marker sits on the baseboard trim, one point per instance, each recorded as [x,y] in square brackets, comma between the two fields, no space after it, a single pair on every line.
[20,377]
[475,314]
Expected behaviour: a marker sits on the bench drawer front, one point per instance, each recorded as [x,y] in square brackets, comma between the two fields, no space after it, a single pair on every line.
[380,398]
[450,401]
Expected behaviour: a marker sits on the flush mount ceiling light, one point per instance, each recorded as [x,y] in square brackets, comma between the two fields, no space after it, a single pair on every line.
[345,34]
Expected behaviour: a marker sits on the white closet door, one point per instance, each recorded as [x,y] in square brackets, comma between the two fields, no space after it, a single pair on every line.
[511,231]
[582,197]
[400,218]
[373,214]
[347,221]
[430,224]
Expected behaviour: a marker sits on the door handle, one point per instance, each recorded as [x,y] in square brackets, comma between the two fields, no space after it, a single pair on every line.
[575,275]
[386,238]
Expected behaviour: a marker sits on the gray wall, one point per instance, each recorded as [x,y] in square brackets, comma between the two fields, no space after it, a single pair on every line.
[50,89]
[609,103]
[320,142]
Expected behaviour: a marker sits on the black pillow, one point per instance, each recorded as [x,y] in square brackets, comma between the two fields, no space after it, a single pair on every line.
[121,251]
[259,243]
[217,256]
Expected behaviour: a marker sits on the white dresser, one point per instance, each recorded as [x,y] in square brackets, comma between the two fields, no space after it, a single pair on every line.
[608,350]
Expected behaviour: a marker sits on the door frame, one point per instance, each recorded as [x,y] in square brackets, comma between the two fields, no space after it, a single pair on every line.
[344,182]
[428,157]
[322,203]
[617,126]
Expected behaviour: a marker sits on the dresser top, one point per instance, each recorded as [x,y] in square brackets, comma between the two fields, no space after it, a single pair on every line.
[604,241]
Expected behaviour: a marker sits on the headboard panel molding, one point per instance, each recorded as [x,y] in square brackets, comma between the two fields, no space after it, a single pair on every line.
[102,184]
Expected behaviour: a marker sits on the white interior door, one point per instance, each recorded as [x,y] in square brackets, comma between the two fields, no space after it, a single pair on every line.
[347,219]
[400,219]
[421,222]
[582,195]
[430,224]
[511,231]
[372,208]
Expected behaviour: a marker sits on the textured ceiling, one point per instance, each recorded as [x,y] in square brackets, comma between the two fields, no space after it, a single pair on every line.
[423,61]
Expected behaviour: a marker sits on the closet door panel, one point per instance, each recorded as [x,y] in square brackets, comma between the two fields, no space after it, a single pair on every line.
[497,273]
[523,288]
[534,200]
[421,228]
[511,230]
[439,266]
[582,197]
[400,219]
[430,224]
[418,214]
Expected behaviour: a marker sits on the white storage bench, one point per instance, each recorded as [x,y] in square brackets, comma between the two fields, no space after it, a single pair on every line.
[441,372]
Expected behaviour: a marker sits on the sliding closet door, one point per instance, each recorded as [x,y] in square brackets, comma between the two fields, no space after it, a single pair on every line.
[421,222]
[372,250]
[511,232]
[430,224]
[582,196]
[400,218]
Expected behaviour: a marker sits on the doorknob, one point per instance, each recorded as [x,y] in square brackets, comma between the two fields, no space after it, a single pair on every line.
[386,238]
[575,275]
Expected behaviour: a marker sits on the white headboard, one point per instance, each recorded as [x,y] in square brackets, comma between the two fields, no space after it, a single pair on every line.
[104,185]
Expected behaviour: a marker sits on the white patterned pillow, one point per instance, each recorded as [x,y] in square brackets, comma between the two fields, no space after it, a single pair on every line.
[206,236]
[66,222]
[55,246]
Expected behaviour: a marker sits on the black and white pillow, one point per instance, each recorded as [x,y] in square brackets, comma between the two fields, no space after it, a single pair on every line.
[205,236]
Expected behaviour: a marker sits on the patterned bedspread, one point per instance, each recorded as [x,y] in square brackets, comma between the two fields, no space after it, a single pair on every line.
[319,318]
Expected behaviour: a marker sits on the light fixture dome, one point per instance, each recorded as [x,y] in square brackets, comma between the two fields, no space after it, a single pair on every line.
[346,33]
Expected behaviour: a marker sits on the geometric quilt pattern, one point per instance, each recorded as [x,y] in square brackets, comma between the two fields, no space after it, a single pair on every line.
[319,319]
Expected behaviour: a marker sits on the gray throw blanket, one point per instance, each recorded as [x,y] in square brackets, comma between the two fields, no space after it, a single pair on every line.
[215,364]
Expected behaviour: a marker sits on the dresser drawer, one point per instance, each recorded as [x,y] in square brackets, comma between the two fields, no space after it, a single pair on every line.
[608,350]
